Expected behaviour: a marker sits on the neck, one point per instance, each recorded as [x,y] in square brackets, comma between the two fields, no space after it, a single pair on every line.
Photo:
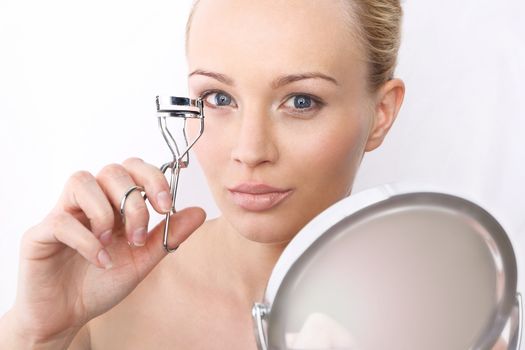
[245,266]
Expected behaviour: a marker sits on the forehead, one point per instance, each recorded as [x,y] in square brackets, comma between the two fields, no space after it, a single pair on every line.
[278,36]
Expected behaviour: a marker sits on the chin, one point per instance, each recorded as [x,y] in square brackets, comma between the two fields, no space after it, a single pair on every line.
[274,227]
[277,225]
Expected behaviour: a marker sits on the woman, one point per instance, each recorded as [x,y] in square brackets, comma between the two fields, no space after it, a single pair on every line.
[295,93]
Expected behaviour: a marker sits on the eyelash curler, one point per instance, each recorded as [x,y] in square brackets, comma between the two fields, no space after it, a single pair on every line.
[177,110]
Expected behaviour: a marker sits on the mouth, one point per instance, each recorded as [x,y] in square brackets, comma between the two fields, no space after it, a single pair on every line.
[257,197]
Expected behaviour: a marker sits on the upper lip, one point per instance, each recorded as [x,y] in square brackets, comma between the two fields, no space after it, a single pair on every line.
[256,188]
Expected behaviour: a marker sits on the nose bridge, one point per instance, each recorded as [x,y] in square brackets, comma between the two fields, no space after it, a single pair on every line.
[255,142]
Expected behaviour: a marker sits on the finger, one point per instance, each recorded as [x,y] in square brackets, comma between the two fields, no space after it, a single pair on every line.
[63,228]
[154,182]
[115,181]
[83,194]
[182,225]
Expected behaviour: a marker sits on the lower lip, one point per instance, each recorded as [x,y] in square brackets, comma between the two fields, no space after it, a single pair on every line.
[258,202]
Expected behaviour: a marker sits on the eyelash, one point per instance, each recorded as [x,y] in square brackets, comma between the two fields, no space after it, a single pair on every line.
[206,93]
[317,101]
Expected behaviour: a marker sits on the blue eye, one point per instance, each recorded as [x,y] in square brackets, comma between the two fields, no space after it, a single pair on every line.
[217,98]
[222,99]
[302,102]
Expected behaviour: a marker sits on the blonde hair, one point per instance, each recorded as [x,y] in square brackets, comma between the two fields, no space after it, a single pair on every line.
[379,22]
[378,25]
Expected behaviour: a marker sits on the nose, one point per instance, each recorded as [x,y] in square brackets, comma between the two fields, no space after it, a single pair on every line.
[256,143]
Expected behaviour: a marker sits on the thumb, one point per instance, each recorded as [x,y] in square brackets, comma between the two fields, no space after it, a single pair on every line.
[181,225]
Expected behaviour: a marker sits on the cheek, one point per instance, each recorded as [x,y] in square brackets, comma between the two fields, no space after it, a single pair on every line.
[329,161]
[212,149]
[342,149]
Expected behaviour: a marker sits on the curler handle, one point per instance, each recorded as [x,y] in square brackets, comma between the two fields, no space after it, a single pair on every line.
[174,183]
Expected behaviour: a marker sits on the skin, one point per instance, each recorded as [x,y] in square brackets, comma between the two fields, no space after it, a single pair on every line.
[261,137]
[201,296]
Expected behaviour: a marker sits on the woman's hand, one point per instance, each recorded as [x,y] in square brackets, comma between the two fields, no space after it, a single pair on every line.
[77,263]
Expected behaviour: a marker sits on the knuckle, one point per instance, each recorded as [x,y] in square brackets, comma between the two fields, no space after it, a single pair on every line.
[81,177]
[28,234]
[56,221]
[159,179]
[137,210]
[132,160]
[104,218]
[155,182]
[113,171]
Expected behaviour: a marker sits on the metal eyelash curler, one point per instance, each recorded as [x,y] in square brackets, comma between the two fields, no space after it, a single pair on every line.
[177,110]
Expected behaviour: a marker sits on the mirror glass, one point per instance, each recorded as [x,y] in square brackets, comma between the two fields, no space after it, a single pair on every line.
[417,271]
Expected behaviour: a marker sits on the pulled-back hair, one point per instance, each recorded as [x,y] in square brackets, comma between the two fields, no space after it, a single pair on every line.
[378,26]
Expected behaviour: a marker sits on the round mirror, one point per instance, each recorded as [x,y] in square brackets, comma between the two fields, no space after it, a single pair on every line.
[397,270]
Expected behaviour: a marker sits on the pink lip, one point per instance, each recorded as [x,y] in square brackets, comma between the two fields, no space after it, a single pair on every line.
[257,197]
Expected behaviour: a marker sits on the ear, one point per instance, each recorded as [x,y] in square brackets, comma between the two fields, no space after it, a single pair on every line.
[387,104]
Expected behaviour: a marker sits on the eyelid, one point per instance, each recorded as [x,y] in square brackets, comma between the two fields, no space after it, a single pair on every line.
[206,93]
[318,103]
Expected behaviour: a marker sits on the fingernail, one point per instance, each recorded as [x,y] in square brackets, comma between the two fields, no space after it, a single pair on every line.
[139,237]
[104,259]
[106,238]
[164,200]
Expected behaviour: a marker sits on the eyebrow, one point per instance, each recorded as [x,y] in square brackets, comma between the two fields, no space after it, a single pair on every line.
[217,76]
[287,79]
[277,83]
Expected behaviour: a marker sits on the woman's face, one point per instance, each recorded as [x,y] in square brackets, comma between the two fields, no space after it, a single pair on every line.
[287,110]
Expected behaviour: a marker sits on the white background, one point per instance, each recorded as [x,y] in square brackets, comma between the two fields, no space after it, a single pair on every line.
[78,81]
